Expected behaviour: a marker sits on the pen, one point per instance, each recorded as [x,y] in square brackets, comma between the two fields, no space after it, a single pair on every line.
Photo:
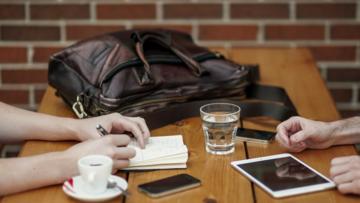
[101,130]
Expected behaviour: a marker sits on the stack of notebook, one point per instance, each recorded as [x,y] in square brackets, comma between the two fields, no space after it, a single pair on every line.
[163,152]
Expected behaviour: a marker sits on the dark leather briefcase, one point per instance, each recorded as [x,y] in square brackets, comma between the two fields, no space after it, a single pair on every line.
[158,74]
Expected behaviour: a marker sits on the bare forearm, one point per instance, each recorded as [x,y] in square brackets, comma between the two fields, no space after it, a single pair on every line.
[20,174]
[346,131]
[18,125]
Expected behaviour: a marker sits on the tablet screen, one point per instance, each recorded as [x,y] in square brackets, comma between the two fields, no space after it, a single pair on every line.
[282,173]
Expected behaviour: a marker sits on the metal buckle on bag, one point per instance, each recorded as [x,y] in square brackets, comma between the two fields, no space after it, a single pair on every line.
[78,108]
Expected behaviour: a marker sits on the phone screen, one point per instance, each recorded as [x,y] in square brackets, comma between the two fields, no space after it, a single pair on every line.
[173,183]
[255,134]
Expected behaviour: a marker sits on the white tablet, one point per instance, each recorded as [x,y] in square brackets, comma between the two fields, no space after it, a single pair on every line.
[283,175]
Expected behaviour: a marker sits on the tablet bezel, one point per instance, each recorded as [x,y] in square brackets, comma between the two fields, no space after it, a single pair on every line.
[288,192]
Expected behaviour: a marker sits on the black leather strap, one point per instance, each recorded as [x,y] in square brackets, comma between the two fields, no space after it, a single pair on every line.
[191,109]
[269,93]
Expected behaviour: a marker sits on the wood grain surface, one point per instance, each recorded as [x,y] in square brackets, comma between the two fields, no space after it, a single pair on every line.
[293,69]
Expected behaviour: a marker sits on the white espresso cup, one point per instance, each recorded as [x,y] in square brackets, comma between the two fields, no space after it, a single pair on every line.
[95,171]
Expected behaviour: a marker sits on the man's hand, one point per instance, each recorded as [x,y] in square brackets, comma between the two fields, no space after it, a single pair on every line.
[345,172]
[297,134]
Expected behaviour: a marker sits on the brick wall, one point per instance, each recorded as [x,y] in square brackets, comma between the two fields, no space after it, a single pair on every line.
[30,31]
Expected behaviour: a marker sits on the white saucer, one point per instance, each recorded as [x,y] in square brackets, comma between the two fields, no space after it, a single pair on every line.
[72,187]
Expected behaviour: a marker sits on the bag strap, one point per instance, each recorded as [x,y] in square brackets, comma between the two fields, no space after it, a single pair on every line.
[181,111]
[269,93]
[262,100]
[140,38]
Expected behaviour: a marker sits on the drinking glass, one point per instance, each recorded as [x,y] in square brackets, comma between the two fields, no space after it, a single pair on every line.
[220,122]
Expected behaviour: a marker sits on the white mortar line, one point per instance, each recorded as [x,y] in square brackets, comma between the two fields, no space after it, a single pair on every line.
[159,11]
[22,86]
[261,33]
[195,31]
[226,11]
[327,31]
[323,71]
[62,26]
[31,97]
[339,85]
[30,53]
[20,66]
[358,11]
[204,21]
[292,11]
[0,75]
[93,14]
[358,52]
[27,11]
[355,94]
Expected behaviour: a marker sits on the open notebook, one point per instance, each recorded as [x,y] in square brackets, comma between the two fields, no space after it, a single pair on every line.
[163,152]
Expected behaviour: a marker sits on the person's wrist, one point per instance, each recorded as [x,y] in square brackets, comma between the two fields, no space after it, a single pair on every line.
[69,164]
[72,128]
[66,165]
[341,129]
[346,130]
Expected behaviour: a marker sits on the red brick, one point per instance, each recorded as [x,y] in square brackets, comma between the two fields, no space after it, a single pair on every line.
[13,54]
[59,11]
[42,54]
[228,32]
[126,11]
[23,76]
[180,28]
[192,10]
[333,53]
[294,32]
[77,32]
[30,33]
[12,11]
[326,10]
[260,11]
[341,95]
[345,32]
[39,93]
[343,74]
[349,113]
[14,96]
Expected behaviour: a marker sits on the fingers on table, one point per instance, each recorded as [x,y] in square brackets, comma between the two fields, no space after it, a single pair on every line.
[343,159]
[345,172]
[341,165]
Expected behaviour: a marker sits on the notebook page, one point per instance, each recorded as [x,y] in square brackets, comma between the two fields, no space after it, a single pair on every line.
[158,147]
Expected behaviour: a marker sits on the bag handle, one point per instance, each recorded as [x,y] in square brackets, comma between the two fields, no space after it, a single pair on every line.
[165,40]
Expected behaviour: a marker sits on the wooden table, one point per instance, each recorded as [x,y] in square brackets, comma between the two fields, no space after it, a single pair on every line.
[293,69]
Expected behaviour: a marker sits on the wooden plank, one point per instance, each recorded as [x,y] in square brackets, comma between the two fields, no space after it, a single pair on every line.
[295,70]
[220,182]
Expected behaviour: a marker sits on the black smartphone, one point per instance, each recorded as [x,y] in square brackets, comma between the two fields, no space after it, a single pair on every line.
[251,135]
[169,185]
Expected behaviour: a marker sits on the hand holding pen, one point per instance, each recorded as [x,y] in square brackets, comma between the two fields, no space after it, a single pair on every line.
[140,136]
[114,123]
